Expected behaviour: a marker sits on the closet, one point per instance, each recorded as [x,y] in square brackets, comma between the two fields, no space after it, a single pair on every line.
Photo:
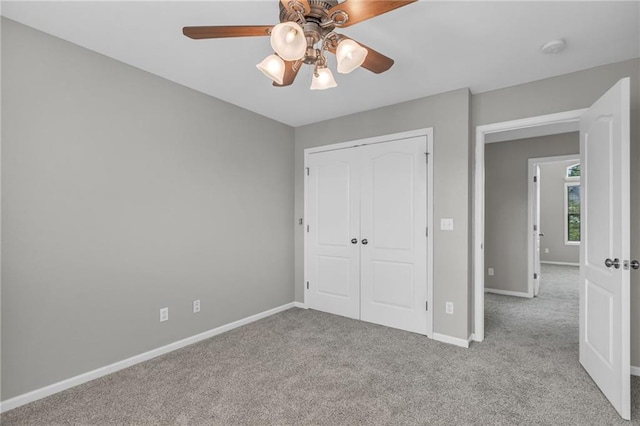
[366,242]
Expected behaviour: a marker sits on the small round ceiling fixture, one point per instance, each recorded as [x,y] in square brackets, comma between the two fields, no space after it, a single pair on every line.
[554,46]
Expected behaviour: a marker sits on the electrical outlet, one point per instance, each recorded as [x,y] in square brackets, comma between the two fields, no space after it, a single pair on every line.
[546,250]
[196,306]
[446,224]
[164,314]
[490,271]
[449,307]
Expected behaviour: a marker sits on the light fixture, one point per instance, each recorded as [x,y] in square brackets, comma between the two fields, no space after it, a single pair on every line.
[323,79]
[350,55]
[273,67]
[307,32]
[288,40]
[298,40]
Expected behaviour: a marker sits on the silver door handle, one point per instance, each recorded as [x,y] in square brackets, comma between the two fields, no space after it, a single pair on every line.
[635,264]
[615,263]
[542,235]
[354,241]
[365,242]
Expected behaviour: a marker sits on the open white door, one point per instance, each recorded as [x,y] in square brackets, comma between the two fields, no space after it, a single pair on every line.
[537,232]
[605,248]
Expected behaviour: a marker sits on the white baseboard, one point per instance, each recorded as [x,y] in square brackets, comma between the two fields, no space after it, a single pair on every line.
[559,263]
[300,305]
[635,371]
[451,340]
[507,293]
[26,398]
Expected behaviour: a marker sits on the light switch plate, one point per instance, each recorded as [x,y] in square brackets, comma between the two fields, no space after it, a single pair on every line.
[446,224]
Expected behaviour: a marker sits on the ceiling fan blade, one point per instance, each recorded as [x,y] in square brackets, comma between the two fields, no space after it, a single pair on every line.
[375,61]
[361,10]
[227,31]
[291,69]
[288,4]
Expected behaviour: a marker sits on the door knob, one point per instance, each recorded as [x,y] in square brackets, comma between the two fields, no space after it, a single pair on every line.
[542,235]
[634,264]
[365,242]
[354,241]
[615,263]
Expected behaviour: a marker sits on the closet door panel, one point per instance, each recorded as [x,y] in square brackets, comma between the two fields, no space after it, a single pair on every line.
[333,217]
[393,222]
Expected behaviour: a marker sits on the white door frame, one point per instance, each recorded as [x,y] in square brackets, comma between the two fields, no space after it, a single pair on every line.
[533,164]
[428,132]
[479,193]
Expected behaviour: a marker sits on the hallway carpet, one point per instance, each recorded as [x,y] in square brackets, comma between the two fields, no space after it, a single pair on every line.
[307,367]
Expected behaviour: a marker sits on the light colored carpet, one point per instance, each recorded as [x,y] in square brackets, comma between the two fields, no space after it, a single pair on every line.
[307,367]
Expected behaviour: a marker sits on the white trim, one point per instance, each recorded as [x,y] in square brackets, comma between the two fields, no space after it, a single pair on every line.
[300,305]
[478,211]
[635,371]
[548,262]
[533,165]
[428,133]
[451,340]
[28,397]
[509,293]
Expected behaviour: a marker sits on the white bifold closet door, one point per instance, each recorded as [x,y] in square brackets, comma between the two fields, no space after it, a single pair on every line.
[333,206]
[367,239]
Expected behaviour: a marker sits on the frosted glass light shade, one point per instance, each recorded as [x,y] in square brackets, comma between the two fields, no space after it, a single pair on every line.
[350,56]
[324,80]
[288,40]
[273,67]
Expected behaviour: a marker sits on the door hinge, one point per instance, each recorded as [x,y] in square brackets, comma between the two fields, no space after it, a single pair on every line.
[300,221]
[307,285]
[535,178]
[427,231]
[307,228]
[535,227]
[535,276]
[307,171]
[427,155]
[426,305]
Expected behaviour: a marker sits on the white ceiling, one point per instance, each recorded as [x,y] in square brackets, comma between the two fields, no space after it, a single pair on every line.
[438,46]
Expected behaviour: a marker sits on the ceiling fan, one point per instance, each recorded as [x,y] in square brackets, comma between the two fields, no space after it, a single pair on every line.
[305,32]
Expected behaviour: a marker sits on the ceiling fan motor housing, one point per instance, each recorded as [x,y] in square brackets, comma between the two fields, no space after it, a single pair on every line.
[313,30]
[319,11]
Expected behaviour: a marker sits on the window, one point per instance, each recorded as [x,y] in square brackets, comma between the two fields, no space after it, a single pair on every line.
[572,212]
[573,171]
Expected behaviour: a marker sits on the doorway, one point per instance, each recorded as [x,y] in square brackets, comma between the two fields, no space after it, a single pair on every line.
[553,225]
[499,132]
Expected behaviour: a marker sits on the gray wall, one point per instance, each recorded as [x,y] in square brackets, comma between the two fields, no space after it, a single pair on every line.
[506,198]
[123,193]
[448,114]
[552,218]
[567,92]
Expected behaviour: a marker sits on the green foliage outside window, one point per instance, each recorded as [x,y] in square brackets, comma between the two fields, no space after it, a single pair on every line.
[573,171]
[573,212]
